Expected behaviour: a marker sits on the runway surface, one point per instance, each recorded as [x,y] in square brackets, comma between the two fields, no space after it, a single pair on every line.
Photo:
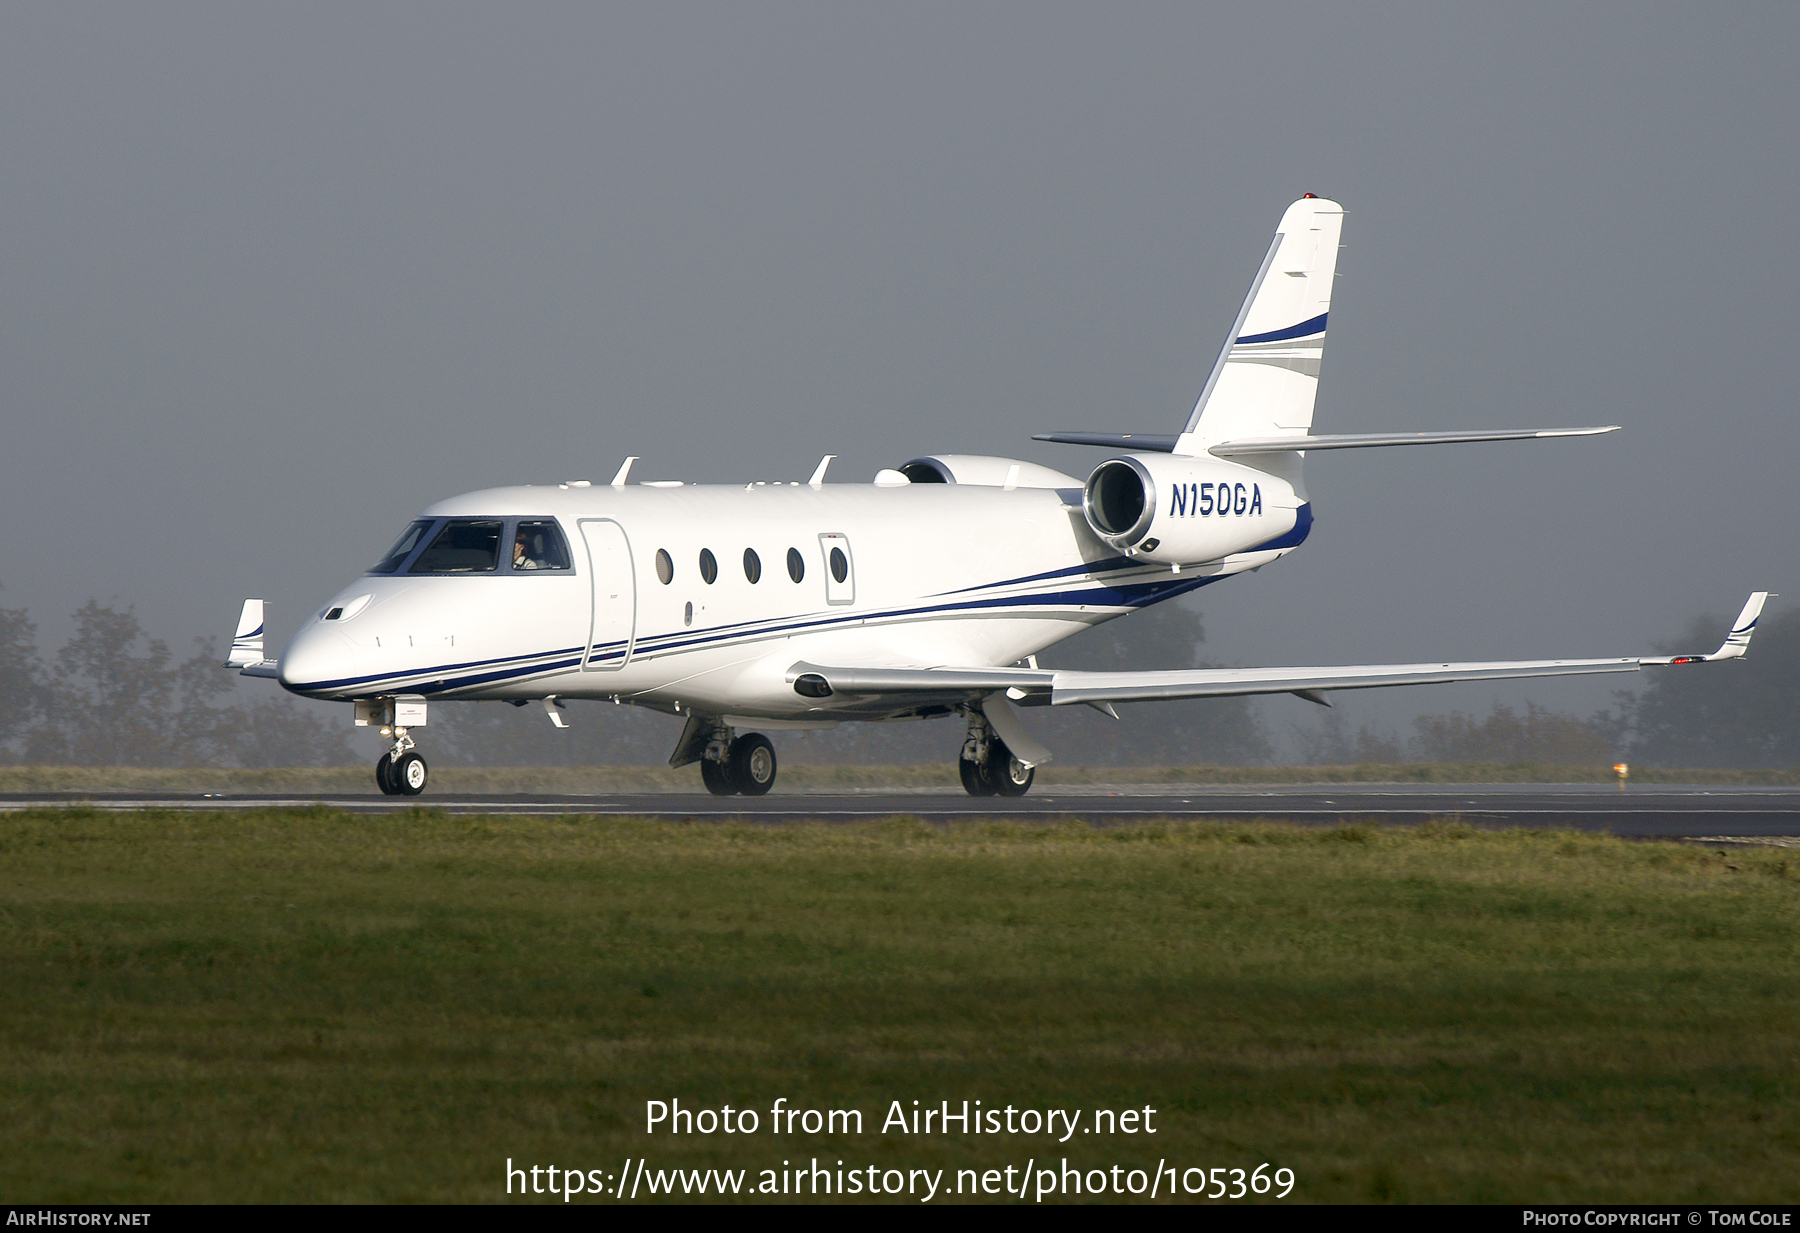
[1743,814]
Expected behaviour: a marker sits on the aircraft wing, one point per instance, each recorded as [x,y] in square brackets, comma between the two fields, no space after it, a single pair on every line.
[1052,687]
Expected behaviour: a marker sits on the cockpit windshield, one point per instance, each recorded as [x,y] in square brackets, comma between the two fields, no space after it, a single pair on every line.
[538,544]
[464,546]
[409,539]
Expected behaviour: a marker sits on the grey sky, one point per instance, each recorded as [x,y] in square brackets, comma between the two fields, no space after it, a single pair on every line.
[276,277]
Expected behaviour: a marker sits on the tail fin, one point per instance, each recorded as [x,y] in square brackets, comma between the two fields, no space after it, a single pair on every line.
[1265,379]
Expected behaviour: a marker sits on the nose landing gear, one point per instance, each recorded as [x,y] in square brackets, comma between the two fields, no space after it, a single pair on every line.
[401,771]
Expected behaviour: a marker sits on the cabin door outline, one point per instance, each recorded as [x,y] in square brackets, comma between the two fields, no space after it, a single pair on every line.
[612,609]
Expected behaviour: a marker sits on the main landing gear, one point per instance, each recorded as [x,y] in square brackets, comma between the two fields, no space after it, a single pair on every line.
[733,766]
[987,766]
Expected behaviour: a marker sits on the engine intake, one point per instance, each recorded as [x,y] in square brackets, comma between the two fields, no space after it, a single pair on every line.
[1189,510]
[1119,499]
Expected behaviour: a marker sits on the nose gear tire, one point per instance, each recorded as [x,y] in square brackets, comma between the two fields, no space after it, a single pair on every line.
[410,773]
[384,776]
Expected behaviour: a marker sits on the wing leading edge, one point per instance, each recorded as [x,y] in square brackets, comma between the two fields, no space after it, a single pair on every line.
[1050,687]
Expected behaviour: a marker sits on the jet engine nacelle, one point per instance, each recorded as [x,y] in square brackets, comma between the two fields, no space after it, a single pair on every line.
[984,470]
[1185,511]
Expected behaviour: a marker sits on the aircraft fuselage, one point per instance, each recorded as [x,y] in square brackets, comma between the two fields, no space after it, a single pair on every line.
[930,574]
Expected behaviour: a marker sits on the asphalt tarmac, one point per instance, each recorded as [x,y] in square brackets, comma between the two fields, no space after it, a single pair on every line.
[1742,814]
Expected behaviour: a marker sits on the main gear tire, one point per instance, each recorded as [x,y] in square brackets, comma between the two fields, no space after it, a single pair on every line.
[1009,776]
[975,779]
[753,764]
[717,778]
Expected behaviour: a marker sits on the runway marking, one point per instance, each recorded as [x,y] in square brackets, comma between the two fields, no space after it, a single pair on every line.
[1699,814]
[795,807]
[1761,841]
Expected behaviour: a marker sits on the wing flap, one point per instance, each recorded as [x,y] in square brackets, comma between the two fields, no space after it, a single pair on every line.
[1025,747]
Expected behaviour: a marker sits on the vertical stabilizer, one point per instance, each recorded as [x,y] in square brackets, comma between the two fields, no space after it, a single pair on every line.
[1266,377]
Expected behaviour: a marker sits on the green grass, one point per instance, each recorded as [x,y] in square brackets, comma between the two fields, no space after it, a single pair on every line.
[306,1006]
[446,777]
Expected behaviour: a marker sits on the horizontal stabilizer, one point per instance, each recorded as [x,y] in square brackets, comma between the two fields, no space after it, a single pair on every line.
[1149,442]
[1379,440]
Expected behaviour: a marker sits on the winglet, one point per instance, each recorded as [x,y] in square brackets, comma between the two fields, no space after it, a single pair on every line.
[618,481]
[1736,643]
[247,643]
[818,476]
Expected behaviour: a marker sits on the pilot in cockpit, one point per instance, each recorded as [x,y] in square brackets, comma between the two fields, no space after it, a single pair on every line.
[522,555]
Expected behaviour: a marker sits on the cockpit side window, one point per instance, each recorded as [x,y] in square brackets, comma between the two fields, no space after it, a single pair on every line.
[538,544]
[409,539]
[464,546]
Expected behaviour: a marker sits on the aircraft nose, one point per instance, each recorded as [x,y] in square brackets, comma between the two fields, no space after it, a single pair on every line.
[316,660]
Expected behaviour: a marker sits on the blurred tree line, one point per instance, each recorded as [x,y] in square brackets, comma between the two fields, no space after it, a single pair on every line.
[113,695]
[1743,714]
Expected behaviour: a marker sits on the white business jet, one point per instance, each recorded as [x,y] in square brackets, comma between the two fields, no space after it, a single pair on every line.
[787,606]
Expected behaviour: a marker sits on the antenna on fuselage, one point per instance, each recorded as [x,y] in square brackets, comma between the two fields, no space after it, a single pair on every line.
[618,481]
[818,476]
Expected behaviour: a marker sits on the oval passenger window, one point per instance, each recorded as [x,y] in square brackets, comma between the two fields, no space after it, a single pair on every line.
[840,564]
[796,565]
[752,565]
[665,568]
[709,568]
